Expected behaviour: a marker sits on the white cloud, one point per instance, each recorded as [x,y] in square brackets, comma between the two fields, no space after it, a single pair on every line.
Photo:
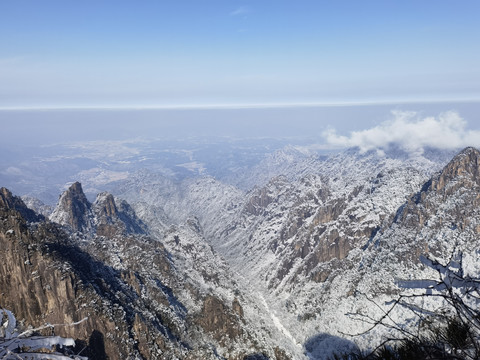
[410,132]
[241,10]
[12,171]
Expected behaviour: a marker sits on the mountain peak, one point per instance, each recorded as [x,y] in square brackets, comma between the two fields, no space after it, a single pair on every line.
[76,188]
[106,205]
[458,181]
[470,150]
[114,217]
[6,198]
[469,154]
[464,167]
[107,216]
[73,209]
[11,202]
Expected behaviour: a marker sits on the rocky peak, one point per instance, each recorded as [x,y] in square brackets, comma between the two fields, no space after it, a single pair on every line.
[74,210]
[76,188]
[6,198]
[115,217]
[105,206]
[448,200]
[107,216]
[463,171]
[10,202]
[466,165]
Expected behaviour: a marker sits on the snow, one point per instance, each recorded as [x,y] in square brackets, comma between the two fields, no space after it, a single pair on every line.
[276,321]
[266,238]
[24,346]
[9,325]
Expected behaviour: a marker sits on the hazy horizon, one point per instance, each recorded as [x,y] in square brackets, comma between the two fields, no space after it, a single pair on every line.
[343,74]
[324,123]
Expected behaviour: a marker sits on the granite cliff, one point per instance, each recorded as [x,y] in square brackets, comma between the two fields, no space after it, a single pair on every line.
[115,290]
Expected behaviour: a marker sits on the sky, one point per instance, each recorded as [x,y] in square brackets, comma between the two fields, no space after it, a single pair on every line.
[221,53]
[413,127]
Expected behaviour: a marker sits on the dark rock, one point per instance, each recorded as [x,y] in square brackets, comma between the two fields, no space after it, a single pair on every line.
[8,201]
[74,210]
[217,319]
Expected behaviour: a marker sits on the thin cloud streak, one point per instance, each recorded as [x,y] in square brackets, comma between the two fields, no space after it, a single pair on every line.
[241,10]
[411,133]
[233,106]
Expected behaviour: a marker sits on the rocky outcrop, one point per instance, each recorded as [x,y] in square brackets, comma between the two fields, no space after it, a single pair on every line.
[40,286]
[115,217]
[107,216]
[258,201]
[74,210]
[447,204]
[118,296]
[8,201]
[219,320]
[464,169]
[459,180]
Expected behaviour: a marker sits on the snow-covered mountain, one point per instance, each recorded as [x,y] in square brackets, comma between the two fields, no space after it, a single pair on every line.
[270,264]
[168,296]
[304,230]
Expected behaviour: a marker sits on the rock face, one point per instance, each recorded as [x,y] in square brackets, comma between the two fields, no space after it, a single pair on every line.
[464,169]
[216,320]
[448,204]
[8,201]
[115,217]
[125,295]
[74,210]
[40,286]
[105,217]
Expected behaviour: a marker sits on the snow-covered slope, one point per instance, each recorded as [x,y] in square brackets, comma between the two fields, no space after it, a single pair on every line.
[298,237]
[303,243]
[300,242]
[180,281]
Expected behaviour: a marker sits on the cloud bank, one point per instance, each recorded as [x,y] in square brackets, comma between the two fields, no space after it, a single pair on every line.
[411,133]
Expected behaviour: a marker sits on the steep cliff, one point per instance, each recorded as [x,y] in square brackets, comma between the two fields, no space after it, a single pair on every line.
[107,216]
[444,214]
[46,279]
[74,210]
[117,292]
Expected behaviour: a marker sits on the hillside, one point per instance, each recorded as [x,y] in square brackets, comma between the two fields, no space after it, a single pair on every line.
[200,268]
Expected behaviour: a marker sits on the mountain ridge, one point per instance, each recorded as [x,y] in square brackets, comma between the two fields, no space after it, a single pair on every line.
[281,263]
[154,302]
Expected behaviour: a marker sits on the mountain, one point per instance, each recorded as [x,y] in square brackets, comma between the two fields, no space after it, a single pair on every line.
[309,230]
[296,237]
[442,217]
[74,210]
[107,216]
[127,295]
[200,268]
[37,205]
[8,201]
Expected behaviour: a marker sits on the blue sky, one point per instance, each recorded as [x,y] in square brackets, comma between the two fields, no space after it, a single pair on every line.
[69,53]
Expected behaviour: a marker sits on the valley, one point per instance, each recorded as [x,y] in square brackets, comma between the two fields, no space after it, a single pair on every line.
[204,264]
